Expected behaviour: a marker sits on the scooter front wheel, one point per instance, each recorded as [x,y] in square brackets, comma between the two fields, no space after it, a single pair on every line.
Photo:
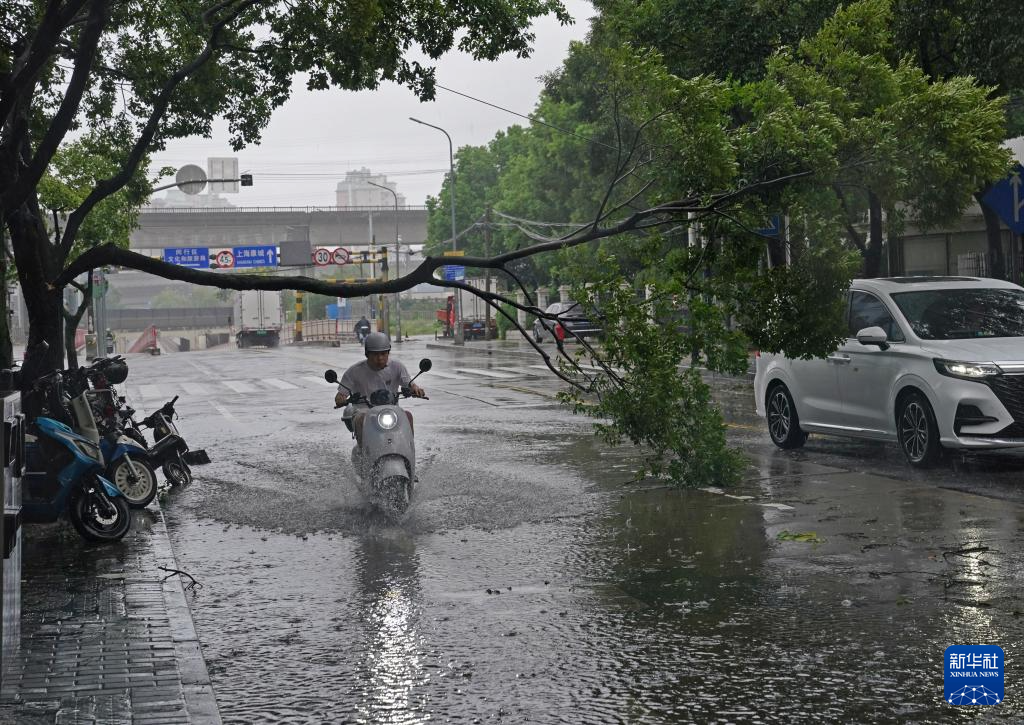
[177,472]
[99,517]
[136,480]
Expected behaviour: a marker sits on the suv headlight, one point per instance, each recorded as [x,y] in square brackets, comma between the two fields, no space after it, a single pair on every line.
[387,420]
[967,370]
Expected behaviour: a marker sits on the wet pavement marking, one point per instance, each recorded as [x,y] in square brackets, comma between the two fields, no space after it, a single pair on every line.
[223,411]
[196,388]
[470,397]
[150,391]
[521,371]
[240,387]
[203,370]
[279,384]
[485,373]
[320,381]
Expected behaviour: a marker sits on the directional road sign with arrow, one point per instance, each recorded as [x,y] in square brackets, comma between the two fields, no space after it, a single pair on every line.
[1006,198]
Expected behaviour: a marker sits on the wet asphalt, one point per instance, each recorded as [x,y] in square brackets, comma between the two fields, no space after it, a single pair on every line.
[531,582]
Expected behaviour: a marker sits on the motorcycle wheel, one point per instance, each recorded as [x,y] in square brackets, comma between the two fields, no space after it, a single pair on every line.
[99,517]
[137,482]
[177,472]
[396,496]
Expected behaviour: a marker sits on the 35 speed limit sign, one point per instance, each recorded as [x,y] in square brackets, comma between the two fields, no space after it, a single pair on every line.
[321,256]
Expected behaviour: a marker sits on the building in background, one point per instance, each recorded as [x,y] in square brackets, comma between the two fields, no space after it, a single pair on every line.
[354,192]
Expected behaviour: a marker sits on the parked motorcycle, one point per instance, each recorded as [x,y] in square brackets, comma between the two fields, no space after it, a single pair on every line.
[94,414]
[63,472]
[385,460]
[169,448]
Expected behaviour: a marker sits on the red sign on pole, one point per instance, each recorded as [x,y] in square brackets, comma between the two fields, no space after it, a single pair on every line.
[321,256]
[341,256]
[225,258]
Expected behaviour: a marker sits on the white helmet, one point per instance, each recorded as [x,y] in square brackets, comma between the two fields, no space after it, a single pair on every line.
[376,342]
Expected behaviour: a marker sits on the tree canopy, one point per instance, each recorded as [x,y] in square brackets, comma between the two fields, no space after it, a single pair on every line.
[837,125]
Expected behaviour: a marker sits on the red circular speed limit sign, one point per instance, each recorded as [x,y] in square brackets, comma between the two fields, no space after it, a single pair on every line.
[321,256]
[225,258]
[341,256]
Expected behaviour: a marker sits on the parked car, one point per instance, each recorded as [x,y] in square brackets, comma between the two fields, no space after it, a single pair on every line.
[929,362]
[573,319]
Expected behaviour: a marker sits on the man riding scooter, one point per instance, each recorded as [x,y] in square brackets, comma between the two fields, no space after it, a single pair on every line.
[362,329]
[377,371]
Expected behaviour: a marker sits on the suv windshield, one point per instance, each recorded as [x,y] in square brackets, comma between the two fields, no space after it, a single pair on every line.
[959,314]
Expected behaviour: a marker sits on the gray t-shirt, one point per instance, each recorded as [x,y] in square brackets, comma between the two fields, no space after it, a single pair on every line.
[360,378]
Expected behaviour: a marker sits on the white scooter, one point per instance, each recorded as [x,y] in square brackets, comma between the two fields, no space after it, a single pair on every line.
[385,463]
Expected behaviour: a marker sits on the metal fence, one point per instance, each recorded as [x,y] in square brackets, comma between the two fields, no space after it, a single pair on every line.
[169,318]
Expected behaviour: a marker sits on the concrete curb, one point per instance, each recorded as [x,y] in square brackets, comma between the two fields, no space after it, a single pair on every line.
[196,686]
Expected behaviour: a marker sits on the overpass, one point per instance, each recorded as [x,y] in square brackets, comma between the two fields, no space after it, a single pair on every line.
[212,227]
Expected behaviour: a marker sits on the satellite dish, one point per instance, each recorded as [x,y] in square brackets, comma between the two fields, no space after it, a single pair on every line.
[191,179]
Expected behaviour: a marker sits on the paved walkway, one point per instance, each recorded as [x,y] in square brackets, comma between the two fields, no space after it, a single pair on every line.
[107,636]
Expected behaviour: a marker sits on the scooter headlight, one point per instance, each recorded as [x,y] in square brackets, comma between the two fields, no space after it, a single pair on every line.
[387,420]
[89,450]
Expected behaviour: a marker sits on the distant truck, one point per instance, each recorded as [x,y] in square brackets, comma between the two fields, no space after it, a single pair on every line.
[258,318]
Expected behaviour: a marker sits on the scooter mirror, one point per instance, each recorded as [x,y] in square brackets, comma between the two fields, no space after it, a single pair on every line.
[331,376]
[425,364]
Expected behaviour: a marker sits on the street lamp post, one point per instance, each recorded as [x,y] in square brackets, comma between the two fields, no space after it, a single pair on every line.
[398,299]
[459,336]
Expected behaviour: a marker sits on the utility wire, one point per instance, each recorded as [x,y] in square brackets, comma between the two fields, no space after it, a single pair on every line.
[532,119]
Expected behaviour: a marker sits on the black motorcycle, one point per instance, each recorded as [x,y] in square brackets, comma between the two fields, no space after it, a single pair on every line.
[169,448]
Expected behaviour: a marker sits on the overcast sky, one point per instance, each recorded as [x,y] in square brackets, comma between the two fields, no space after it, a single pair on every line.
[316,137]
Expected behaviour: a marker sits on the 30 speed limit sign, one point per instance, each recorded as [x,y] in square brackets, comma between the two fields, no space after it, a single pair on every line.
[321,256]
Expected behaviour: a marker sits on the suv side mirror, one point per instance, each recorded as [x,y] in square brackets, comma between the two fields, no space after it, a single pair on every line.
[873,336]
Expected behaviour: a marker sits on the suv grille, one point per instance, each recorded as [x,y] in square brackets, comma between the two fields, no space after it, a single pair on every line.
[1010,391]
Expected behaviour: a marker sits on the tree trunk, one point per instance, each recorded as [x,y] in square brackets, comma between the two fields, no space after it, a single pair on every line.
[873,252]
[994,234]
[36,266]
[6,351]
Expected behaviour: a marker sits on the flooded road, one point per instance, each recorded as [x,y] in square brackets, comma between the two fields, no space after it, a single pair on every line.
[528,584]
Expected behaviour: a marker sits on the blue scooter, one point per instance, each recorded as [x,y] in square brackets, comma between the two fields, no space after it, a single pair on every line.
[63,471]
[128,465]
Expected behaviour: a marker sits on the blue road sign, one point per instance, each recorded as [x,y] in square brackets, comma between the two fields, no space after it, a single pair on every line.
[1006,198]
[194,257]
[255,256]
[774,228]
[453,272]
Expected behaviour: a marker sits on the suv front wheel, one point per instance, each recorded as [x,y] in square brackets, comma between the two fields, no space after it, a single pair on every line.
[917,431]
[783,422]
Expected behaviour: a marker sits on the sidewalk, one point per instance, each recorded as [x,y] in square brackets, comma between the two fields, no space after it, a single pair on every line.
[106,636]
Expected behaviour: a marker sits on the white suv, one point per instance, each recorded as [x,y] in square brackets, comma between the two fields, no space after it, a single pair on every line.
[930,362]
